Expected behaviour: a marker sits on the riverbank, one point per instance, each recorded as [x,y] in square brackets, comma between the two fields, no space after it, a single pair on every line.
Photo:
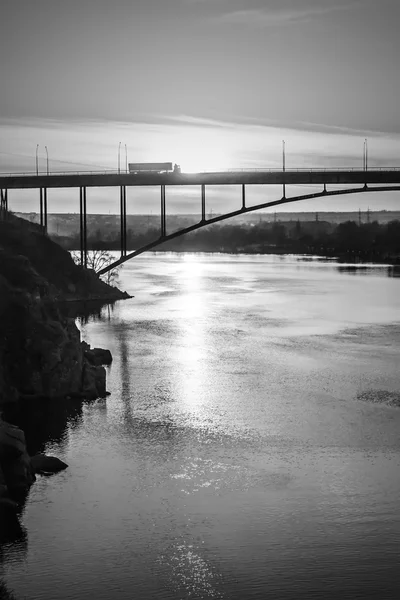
[40,347]
[42,355]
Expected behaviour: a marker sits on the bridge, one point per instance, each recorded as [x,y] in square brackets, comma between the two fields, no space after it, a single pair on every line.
[381,179]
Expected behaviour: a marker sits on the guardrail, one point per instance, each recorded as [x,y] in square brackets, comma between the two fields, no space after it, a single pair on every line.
[236,170]
[316,170]
[58,173]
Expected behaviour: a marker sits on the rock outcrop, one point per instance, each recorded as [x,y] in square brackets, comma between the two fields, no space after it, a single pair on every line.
[41,354]
[97,356]
[46,465]
[16,471]
[93,381]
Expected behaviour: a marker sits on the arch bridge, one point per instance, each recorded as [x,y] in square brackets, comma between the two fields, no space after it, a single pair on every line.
[361,181]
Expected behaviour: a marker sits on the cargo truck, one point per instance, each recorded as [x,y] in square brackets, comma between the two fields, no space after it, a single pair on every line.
[139,168]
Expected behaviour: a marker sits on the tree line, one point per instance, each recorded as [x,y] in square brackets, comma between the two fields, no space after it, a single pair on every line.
[365,241]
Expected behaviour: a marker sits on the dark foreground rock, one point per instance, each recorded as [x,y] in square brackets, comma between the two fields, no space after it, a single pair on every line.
[98,356]
[94,382]
[41,354]
[43,464]
[16,471]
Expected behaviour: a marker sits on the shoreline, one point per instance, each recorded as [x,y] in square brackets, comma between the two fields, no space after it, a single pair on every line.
[338,258]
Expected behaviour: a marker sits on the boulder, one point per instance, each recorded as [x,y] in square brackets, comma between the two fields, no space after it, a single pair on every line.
[12,441]
[93,382]
[47,464]
[19,474]
[16,472]
[98,356]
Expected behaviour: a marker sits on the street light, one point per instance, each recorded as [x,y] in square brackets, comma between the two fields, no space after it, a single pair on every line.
[283,168]
[365,154]
[283,155]
[119,158]
[37,160]
[47,160]
[126,159]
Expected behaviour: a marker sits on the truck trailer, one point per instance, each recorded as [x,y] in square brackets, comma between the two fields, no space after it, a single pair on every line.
[139,168]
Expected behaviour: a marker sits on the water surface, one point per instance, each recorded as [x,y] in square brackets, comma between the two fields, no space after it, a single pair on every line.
[250,446]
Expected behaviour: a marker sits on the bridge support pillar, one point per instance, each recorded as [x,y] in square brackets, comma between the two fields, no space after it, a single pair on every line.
[43,209]
[283,169]
[123,219]
[41,206]
[163,218]
[83,225]
[203,202]
[3,204]
[243,196]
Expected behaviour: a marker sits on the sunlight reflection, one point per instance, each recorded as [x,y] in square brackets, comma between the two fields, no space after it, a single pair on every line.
[189,571]
[192,319]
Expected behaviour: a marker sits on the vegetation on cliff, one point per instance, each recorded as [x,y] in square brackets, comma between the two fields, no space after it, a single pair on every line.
[33,262]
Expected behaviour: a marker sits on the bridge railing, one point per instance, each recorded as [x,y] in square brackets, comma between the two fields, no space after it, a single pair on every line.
[235,170]
[57,173]
[316,170]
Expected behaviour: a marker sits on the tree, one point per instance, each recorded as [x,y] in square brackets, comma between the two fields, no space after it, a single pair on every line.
[98,260]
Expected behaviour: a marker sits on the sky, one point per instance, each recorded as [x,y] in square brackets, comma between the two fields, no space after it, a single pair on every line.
[208,84]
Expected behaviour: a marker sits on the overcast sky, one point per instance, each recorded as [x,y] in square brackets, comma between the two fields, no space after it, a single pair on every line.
[207,83]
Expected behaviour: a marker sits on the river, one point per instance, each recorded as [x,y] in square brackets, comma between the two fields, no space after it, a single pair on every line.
[250,447]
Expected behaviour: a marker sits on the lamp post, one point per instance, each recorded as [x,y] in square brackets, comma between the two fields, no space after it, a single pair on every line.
[283,168]
[365,154]
[37,160]
[126,159]
[47,160]
[283,156]
[119,158]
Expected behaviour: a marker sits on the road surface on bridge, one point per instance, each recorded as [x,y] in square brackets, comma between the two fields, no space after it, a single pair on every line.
[382,176]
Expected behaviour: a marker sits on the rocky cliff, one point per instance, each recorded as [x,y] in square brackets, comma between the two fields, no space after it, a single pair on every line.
[40,348]
[41,353]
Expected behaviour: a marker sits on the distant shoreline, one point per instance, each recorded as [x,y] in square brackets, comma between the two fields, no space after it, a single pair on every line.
[390,262]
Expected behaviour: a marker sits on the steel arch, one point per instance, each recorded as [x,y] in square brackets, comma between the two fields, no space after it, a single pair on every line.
[241,211]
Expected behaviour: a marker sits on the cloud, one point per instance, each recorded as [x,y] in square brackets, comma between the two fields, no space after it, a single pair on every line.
[270,124]
[197,121]
[264,17]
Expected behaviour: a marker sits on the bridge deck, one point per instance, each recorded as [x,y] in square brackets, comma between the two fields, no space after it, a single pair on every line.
[289,177]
